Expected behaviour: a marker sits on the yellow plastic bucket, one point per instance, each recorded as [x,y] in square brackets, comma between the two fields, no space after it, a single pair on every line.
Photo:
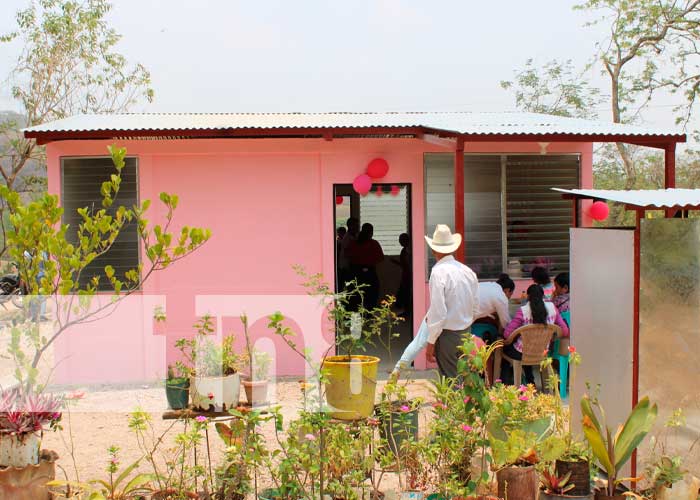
[350,385]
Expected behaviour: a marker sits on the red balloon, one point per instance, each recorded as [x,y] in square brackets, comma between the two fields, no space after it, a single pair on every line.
[599,211]
[338,200]
[379,191]
[362,184]
[395,190]
[377,168]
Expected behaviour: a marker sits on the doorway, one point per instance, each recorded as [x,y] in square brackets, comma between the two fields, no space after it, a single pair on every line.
[387,207]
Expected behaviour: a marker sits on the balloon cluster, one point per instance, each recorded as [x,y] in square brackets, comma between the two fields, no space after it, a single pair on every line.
[376,169]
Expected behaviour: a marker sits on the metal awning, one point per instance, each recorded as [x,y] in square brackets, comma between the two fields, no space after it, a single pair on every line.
[647,199]
[468,126]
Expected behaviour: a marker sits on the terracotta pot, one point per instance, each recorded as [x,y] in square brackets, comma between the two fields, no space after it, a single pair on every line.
[255,391]
[580,475]
[517,483]
[19,451]
[172,494]
[29,482]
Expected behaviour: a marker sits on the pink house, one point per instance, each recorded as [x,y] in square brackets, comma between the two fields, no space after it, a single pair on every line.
[273,188]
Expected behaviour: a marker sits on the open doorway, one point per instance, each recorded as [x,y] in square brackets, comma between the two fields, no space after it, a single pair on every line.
[387,207]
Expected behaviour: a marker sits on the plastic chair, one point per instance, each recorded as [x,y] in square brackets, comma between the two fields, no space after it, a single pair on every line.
[536,340]
[560,352]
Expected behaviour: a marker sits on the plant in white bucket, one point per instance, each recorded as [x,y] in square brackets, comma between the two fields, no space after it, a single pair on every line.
[23,417]
[216,382]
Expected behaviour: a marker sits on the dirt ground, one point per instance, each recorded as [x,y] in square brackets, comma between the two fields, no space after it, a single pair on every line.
[91,425]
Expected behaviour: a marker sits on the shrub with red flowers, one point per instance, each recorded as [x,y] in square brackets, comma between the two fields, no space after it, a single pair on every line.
[24,413]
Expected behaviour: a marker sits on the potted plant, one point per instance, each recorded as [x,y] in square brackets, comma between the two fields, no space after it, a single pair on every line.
[553,487]
[397,418]
[177,386]
[576,457]
[23,418]
[612,451]
[256,385]
[521,432]
[215,381]
[350,378]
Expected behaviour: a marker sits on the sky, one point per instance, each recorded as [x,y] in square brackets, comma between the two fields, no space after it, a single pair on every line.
[316,55]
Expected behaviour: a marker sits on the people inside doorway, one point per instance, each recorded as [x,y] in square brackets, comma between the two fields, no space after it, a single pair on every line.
[541,277]
[364,254]
[404,295]
[560,297]
[453,301]
[535,311]
[349,236]
[490,308]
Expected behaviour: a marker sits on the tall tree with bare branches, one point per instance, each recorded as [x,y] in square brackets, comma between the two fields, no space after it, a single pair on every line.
[67,65]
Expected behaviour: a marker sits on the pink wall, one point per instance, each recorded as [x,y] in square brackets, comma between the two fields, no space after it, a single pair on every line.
[264,201]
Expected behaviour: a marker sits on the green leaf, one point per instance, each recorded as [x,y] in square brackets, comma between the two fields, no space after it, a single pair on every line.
[638,425]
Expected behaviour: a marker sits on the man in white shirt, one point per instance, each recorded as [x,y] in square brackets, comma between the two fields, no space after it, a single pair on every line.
[453,301]
[492,299]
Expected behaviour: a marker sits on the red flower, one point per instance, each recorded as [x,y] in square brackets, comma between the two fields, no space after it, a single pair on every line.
[572,349]
[210,395]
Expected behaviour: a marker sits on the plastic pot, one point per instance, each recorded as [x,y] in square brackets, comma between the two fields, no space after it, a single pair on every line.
[517,483]
[397,427]
[217,393]
[351,385]
[601,495]
[177,390]
[580,476]
[20,450]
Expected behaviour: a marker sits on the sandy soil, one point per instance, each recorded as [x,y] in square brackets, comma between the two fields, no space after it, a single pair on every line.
[92,424]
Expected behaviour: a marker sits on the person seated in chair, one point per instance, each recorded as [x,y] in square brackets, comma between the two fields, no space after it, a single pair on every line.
[560,297]
[536,311]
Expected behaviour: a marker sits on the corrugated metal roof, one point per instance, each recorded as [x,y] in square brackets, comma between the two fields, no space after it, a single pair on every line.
[646,198]
[469,123]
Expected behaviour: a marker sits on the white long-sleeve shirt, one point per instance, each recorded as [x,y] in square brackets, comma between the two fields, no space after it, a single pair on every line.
[453,297]
[492,300]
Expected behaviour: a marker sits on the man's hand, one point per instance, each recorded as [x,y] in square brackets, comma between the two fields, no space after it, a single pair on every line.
[430,353]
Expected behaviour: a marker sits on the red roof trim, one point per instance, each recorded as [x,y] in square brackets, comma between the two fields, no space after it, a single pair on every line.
[657,141]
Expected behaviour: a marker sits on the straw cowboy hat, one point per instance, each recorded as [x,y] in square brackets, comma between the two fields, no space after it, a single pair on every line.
[443,241]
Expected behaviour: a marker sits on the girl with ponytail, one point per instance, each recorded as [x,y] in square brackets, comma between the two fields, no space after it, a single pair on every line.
[536,311]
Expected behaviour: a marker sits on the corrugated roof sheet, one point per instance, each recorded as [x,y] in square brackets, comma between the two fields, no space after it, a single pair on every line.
[473,123]
[647,198]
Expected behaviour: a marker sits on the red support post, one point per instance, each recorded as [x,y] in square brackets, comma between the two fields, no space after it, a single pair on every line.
[459,197]
[639,215]
[670,170]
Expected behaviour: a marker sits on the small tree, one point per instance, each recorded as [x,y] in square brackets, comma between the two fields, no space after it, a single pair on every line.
[52,258]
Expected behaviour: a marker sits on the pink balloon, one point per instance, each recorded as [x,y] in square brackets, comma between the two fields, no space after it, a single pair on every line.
[379,191]
[362,184]
[395,190]
[377,168]
[599,211]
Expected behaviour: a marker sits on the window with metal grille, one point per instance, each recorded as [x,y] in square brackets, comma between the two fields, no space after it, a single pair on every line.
[538,219]
[82,179]
[389,214]
[513,221]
